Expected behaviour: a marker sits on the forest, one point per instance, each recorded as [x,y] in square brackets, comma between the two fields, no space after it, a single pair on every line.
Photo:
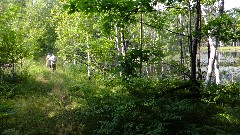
[124,67]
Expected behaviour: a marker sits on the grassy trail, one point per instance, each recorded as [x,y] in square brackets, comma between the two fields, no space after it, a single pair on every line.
[37,104]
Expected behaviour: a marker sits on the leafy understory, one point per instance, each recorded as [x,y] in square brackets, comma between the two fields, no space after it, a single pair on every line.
[66,102]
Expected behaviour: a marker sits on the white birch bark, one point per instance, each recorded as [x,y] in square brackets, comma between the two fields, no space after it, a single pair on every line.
[117,40]
[74,60]
[123,43]
[216,65]
[141,43]
[212,49]
[216,69]
[117,45]
[211,59]
[183,50]
[88,57]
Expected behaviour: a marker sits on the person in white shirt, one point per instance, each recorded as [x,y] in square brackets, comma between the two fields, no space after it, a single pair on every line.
[48,61]
[53,59]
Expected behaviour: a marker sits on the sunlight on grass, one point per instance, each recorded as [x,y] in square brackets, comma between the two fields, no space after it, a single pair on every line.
[50,102]
[66,102]
[228,118]
[51,114]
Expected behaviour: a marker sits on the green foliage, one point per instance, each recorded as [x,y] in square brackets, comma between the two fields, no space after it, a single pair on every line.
[36,101]
[10,38]
[66,102]
[40,26]
[131,62]
[103,54]
[226,94]
[26,30]
[225,27]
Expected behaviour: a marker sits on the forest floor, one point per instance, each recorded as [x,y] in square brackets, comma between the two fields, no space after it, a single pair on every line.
[36,105]
[66,102]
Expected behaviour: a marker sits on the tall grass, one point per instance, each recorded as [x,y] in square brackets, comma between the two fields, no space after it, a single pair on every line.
[38,99]
[66,102]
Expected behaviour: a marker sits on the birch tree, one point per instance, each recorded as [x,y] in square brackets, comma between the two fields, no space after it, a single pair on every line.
[88,57]
[213,42]
[216,64]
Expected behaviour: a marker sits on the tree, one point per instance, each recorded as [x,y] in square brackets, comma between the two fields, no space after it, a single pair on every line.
[213,60]
[40,26]
[11,35]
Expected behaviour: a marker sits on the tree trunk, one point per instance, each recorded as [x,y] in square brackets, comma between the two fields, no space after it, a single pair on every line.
[213,60]
[196,40]
[88,57]
[216,65]
[75,55]
[190,40]
[123,43]
[117,41]
[181,39]
[141,44]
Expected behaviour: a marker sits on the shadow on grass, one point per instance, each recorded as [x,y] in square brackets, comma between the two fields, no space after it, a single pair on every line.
[34,102]
[105,112]
[102,112]
[61,104]
[115,115]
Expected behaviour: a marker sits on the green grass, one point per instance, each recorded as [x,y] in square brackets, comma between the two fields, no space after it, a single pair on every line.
[66,102]
[40,99]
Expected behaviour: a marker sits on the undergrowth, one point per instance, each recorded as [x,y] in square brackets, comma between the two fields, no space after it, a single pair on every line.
[66,102]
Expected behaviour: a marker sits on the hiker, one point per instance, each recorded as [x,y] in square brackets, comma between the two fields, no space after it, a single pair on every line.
[53,60]
[48,61]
